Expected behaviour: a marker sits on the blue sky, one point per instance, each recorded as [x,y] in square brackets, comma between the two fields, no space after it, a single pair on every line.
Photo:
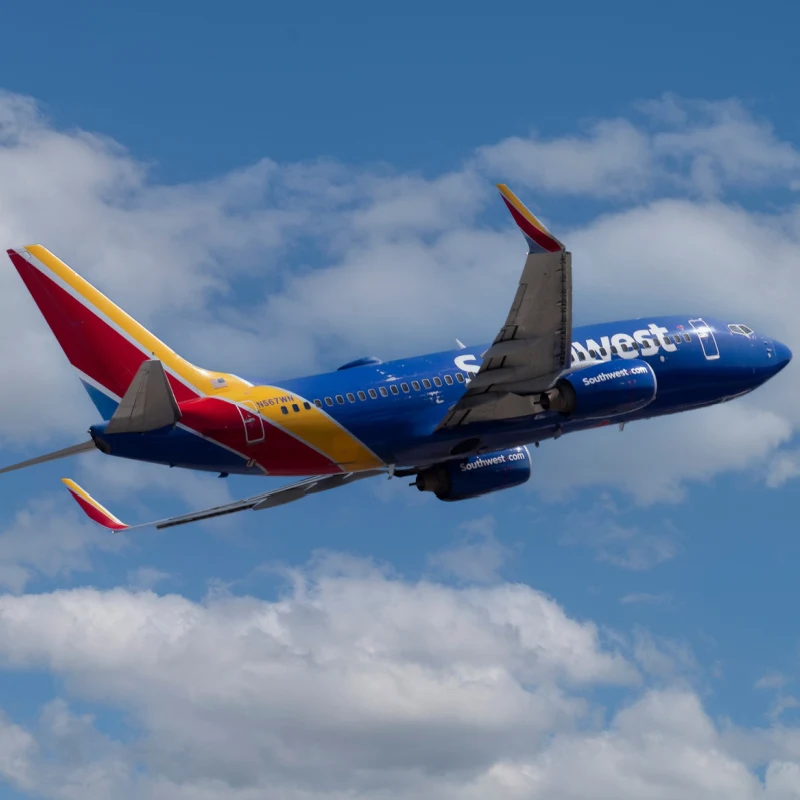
[276,191]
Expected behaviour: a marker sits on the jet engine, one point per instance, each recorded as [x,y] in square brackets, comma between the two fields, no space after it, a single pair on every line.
[603,390]
[476,475]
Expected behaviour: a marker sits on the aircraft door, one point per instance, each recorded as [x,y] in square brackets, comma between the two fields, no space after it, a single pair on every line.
[252,421]
[707,340]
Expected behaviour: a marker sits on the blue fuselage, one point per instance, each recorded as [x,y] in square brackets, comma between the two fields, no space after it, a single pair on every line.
[401,428]
[394,408]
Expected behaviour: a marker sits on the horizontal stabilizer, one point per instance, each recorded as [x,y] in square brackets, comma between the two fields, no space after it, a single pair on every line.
[148,404]
[67,451]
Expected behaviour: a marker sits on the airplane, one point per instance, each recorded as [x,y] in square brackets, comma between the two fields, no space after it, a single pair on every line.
[458,422]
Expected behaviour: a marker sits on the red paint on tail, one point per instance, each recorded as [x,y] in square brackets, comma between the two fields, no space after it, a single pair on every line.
[92,345]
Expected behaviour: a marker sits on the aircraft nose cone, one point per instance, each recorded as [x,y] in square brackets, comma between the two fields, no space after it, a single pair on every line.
[783,355]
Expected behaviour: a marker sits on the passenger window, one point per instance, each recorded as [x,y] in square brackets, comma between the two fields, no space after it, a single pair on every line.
[614,349]
[426,383]
[383,391]
[328,401]
[593,353]
[373,394]
[318,403]
[340,399]
[676,339]
[602,351]
[581,357]
[437,381]
[284,410]
[686,337]
[295,408]
[459,377]
[351,397]
[448,380]
[362,396]
[404,387]
[415,385]
[624,347]
[394,388]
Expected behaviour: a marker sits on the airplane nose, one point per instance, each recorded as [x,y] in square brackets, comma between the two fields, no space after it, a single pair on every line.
[783,355]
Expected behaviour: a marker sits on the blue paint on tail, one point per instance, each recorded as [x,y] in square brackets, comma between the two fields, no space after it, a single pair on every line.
[105,404]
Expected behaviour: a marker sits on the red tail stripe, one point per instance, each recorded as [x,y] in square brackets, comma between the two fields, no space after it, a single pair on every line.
[92,345]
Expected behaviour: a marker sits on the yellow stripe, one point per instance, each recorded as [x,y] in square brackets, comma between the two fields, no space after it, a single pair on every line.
[518,204]
[312,426]
[194,376]
[70,484]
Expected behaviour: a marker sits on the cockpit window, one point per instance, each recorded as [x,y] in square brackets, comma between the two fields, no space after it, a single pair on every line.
[742,330]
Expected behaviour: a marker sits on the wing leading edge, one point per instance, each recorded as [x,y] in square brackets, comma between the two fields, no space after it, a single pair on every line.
[276,497]
[534,345]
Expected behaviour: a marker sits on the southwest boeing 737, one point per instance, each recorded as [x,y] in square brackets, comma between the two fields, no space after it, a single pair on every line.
[457,422]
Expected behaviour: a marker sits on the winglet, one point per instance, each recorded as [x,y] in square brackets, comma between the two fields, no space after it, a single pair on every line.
[93,509]
[540,240]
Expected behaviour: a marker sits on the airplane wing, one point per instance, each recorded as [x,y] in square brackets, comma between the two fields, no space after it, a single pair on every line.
[534,346]
[276,497]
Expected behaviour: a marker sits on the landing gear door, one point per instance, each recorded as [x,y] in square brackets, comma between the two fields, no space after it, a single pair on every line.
[707,340]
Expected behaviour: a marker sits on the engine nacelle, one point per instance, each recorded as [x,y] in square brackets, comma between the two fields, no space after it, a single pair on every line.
[603,390]
[476,475]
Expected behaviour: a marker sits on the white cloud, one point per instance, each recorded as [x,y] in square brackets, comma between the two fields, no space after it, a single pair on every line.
[478,555]
[630,546]
[664,746]
[42,540]
[772,680]
[646,598]
[698,147]
[784,467]
[655,460]
[362,674]
[358,685]
[720,144]
[613,159]
[664,658]
[146,578]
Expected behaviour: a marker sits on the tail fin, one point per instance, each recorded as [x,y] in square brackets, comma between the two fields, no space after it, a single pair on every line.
[103,343]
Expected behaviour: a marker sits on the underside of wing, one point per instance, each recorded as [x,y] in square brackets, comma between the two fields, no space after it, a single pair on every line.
[276,497]
[534,345]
